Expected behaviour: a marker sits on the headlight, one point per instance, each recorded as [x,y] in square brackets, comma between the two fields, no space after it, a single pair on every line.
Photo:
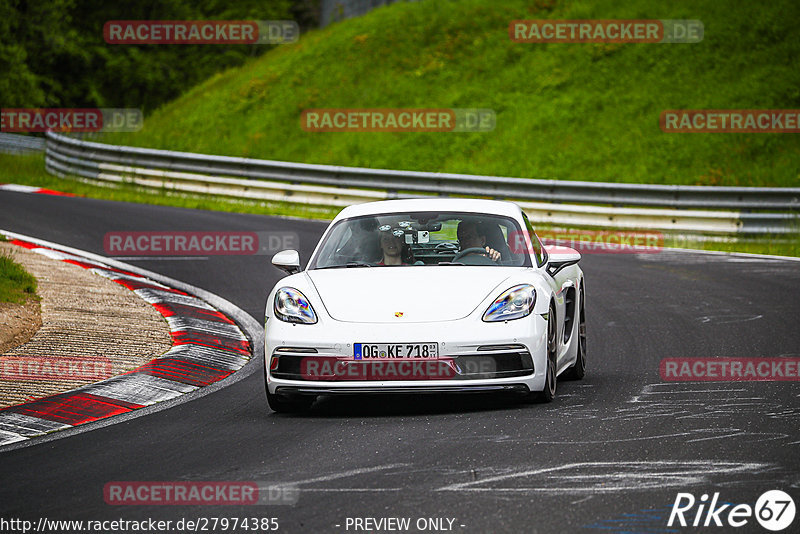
[515,303]
[293,307]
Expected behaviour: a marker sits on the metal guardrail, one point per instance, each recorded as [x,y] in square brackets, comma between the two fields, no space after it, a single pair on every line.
[544,200]
[20,144]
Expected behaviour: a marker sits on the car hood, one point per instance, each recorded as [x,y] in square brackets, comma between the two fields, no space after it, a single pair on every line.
[420,294]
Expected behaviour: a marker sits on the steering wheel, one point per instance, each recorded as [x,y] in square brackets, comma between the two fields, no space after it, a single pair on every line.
[471,250]
[442,248]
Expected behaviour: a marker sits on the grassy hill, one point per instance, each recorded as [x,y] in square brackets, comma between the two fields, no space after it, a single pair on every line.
[566,111]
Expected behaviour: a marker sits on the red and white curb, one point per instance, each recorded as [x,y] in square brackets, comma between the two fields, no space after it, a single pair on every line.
[207,346]
[32,189]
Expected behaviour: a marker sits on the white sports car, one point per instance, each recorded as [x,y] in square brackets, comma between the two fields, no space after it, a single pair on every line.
[425,296]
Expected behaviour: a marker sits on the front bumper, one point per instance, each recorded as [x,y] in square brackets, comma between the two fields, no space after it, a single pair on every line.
[473,356]
[394,390]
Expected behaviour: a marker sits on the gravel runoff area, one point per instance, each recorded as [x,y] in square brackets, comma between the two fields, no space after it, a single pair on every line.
[84,316]
[18,323]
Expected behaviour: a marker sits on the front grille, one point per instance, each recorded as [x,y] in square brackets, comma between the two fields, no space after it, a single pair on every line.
[496,365]
[465,367]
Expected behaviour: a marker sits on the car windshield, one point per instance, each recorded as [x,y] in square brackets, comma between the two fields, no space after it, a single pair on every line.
[423,238]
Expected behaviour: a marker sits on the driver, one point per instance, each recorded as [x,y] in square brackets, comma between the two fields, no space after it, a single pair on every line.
[470,235]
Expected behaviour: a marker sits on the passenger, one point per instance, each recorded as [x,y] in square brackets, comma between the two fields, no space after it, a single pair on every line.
[471,235]
[395,251]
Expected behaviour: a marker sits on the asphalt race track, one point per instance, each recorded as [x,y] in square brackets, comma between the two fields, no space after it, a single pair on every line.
[611,452]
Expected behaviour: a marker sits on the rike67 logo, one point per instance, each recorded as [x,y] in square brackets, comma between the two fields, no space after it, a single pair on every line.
[774,510]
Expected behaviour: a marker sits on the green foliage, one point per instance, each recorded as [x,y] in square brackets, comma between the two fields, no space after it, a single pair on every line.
[53,53]
[564,111]
[16,284]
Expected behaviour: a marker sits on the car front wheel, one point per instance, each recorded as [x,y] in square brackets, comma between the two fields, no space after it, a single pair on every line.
[284,404]
[578,370]
[549,392]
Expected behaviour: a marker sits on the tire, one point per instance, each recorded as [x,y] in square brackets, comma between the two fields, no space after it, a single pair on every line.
[578,369]
[551,380]
[286,404]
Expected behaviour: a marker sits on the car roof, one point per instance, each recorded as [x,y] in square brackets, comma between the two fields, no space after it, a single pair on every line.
[470,205]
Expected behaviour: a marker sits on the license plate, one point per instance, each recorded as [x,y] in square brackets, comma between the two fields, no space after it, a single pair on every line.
[371,351]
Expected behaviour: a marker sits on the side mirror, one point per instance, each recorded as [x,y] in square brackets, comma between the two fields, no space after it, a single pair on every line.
[288,260]
[560,257]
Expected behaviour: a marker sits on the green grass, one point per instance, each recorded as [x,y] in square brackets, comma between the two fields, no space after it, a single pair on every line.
[16,284]
[564,111]
[29,170]
[777,246]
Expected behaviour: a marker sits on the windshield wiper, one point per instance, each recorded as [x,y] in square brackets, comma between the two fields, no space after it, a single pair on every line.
[358,264]
[450,263]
